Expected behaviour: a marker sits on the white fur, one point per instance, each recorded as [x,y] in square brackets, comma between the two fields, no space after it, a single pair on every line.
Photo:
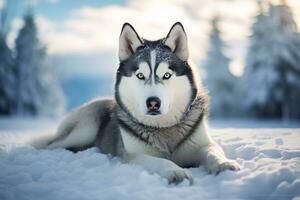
[153,61]
[174,94]
[152,160]
[41,141]
[133,145]
[163,68]
[163,167]
[144,69]
[185,154]
[86,126]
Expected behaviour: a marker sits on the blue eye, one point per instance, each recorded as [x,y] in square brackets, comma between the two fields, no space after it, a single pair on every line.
[167,76]
[140,76]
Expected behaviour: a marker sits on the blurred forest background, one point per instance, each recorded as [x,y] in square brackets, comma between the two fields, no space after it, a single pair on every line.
[56,55]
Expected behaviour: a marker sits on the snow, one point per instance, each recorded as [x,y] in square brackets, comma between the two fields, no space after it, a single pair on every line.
[270,159]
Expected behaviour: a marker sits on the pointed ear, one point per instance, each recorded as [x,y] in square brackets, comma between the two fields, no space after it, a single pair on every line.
[129,41]
[177,41]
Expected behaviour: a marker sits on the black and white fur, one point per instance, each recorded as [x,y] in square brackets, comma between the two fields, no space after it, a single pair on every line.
[174,137]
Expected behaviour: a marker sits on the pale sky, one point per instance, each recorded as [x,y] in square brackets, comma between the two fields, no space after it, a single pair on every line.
[89,27]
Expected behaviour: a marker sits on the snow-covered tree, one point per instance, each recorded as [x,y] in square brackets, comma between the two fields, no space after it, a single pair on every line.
[218,79]
[272,74]
[7,90]
[7,87]
[38,92]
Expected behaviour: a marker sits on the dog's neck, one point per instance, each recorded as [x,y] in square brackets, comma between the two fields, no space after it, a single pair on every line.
[166,139]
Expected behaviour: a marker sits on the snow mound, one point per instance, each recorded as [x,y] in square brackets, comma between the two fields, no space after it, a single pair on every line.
[270,160]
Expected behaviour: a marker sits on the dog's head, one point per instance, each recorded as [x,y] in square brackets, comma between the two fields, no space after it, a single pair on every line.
[155,83]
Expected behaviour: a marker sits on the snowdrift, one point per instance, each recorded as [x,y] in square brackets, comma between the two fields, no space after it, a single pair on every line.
[270,160]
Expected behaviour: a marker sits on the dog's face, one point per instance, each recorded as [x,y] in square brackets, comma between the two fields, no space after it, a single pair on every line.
[155,84]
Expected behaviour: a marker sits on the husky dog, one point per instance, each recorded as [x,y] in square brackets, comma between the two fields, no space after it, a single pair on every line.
[159,116]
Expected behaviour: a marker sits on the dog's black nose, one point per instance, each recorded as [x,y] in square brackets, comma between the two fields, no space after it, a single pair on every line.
[153,104]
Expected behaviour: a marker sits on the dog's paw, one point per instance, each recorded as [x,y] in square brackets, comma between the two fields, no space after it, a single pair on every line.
[226,165]
[177,175]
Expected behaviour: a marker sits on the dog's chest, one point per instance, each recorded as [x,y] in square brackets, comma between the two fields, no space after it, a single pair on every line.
[156,143]
[134,145]
[183,155]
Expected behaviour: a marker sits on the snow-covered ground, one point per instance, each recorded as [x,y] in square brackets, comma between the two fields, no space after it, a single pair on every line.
[270,158]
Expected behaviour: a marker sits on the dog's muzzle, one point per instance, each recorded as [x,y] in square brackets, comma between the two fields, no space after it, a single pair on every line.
[153,105]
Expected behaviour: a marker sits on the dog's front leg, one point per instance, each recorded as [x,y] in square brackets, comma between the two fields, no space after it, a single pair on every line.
[165,168]
[213,158]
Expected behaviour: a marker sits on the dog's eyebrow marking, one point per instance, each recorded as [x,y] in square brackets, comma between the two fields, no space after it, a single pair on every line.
[152,62]
[145,69]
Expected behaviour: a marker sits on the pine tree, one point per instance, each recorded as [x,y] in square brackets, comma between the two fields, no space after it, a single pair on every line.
[287,54]
[219,80]
[7,78]
[272,69]
[38,92]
